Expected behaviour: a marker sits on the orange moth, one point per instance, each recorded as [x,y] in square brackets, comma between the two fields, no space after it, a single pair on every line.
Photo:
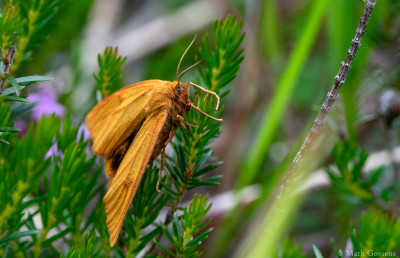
[130,128]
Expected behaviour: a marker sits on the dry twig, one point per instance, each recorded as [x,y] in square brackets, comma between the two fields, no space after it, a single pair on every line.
[332,95]
[7,62]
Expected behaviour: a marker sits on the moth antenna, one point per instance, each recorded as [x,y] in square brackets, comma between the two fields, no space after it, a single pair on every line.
[187,69]
[204,113]
[207,91]
[180,61]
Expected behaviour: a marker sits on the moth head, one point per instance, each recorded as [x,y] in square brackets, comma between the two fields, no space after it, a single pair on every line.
[181,92]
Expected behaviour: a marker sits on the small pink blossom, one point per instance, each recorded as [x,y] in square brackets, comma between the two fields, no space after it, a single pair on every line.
[47,104]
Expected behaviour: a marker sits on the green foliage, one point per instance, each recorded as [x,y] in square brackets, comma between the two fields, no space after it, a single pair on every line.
[109,78]
[10,26]
[57,175]
[18,235]
[17,85]
[14,84]
[223,59]
[24,82]
[347,177]
[317,252]
[88,248]
[184,229]
[6,125]
[37,16]
[64,29]
[67,189]
[378,233]
[289,250]
[23,164]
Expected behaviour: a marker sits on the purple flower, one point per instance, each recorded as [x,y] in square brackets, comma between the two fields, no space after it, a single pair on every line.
[86,135]
[21,124]
[47,105]
[53,151]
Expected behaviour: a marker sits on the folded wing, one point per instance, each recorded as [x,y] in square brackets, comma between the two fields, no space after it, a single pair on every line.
[130,171]
[117,116]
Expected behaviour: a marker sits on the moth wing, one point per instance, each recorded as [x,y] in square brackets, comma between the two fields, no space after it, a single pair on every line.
[130,172]
[112,120]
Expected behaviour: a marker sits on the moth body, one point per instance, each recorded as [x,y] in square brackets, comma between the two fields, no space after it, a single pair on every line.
[130,128]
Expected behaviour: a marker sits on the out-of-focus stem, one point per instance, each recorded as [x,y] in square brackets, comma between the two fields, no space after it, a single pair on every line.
[332,95]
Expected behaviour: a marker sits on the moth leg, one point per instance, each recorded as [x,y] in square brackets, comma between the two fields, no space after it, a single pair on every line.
[208,92]
[170,137]
[161,169]
[184,128]
[182,120]
[163,159]
[204,113]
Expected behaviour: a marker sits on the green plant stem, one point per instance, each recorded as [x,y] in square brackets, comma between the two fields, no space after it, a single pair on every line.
[216,71]
[38,247]
[134,242]
[51,218]
[187,235]
[170,214]
[10,208]
[49,225]
[76,235]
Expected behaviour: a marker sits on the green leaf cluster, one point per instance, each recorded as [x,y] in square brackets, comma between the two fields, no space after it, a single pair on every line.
[10,26]
[88,248]
[378,233]
[351,184]
[184,229]
[289,250]
[17,84]
[37,16]
[222,56]
[109,77]
[45,177]
[6,125]
[223,61]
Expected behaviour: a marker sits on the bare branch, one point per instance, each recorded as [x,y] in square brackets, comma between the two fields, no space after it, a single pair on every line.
[7,62]
[332,95]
